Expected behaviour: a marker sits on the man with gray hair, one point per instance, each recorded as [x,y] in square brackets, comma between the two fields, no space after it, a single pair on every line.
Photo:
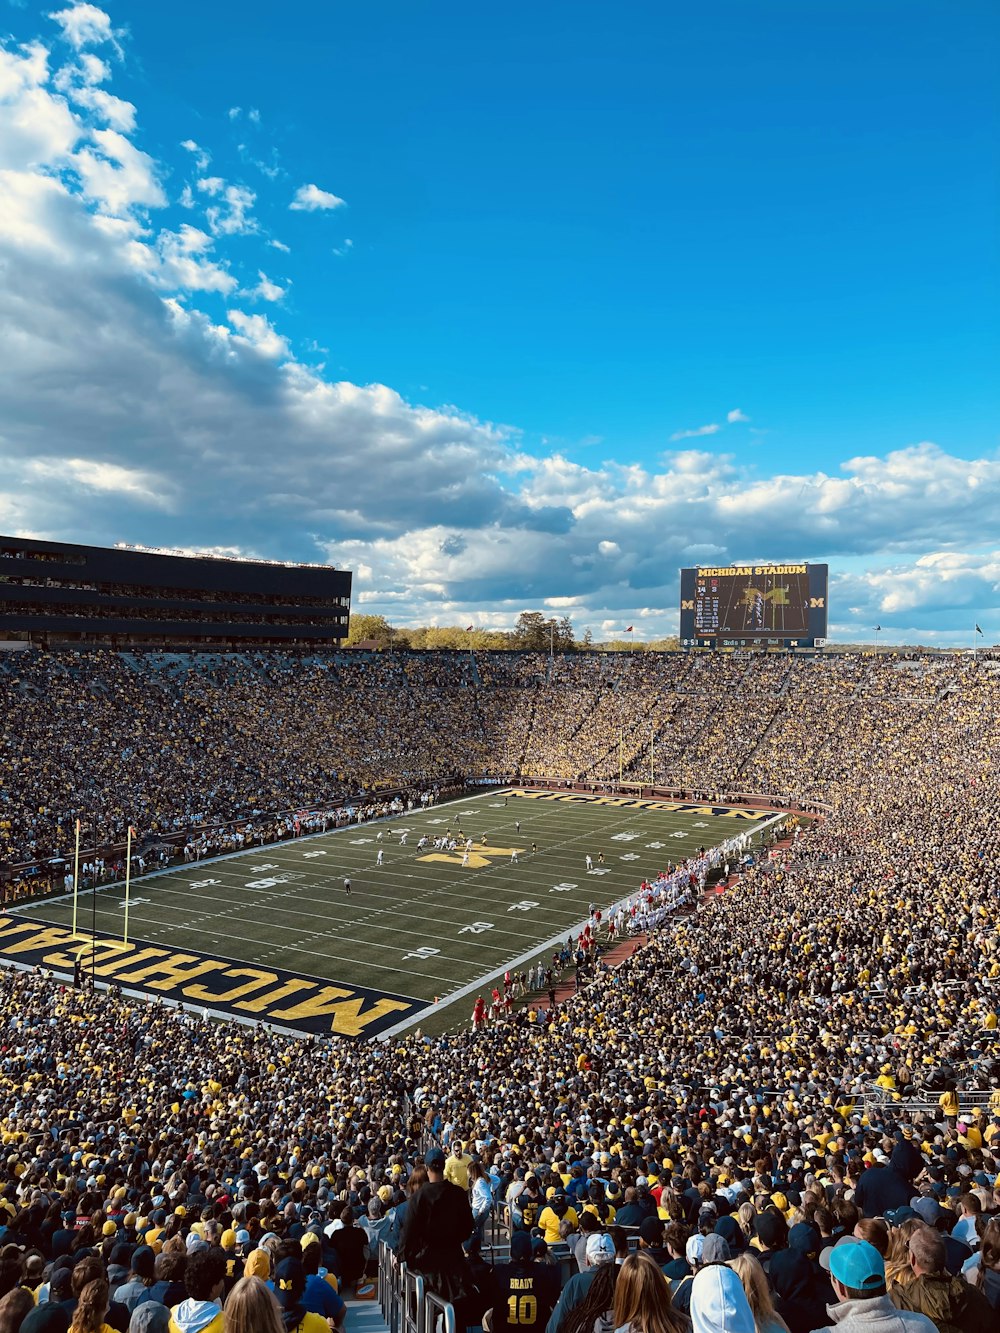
[949,1301]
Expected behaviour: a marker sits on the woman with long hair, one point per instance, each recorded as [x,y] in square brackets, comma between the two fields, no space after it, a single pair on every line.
[92,1308]
[595,1314]
[642,1299]
[750,1273]
[252,1308]
[897,1261]
[480,1198]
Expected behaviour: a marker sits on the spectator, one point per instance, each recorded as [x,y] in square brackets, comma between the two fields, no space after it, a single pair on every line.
[525,1292]
[350,1244]
[858,1274]
[150,1317]
[141,1278]
[91,1309]
[289,1287]
[204,1280]
[48,1318]
[14,1307]
[251,1307]
[642,1299]
[438,1222]
[574,1295]
[719,1303]
[758,1294]
[953,1305]
[983,1270]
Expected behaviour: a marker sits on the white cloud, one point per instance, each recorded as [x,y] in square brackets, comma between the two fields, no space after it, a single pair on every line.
[234,112]
[309,198]
[184,263]
[108,478]
[230,216]
[118,176]
[712,428]
[266,290]
[258,332]
[253,115]
[735,416]
[344,249]
[280,245]
[201,156]
[103,343]
[86,25]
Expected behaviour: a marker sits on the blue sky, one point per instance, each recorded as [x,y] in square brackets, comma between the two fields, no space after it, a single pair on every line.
[574,297]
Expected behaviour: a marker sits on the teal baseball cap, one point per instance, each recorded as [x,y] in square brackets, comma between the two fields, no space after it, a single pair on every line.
[858,1266]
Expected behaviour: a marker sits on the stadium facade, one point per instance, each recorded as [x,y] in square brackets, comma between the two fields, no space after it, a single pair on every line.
[54,593]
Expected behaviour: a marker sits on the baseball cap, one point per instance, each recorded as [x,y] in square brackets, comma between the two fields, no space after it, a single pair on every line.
[858,1265]
[434,1159]
[928,1210]
[694,1248]
[600,1249]
[520,1246]
[715,1250]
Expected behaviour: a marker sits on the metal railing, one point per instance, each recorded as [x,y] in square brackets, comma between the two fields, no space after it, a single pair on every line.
[406,1304]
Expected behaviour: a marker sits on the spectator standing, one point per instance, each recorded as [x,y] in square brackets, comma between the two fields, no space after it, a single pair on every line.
[438,1222]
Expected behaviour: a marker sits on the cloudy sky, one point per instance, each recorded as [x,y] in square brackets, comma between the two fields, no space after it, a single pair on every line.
[515,308]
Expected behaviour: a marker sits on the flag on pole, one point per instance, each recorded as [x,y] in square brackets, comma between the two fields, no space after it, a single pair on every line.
[878,629]
[469,629]
[978,630]
[629,630]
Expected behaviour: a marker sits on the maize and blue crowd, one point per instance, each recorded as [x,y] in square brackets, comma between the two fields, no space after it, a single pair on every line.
[788,1099]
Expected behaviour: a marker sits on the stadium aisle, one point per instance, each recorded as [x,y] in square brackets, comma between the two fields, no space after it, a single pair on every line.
[364,1317]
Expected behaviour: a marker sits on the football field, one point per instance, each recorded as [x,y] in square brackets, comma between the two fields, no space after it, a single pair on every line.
[272,934]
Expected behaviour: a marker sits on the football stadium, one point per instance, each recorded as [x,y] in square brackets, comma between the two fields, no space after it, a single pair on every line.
[499,667]
[693,953]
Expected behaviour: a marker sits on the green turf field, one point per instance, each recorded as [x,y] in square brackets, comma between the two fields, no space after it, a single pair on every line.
[272,935]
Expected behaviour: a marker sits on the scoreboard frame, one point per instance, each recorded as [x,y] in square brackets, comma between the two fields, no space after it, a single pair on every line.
[744,635]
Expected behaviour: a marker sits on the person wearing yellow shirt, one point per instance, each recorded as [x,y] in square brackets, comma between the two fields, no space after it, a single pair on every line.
[289,1286]
[553,1213]
[948,1102]
[456,1169]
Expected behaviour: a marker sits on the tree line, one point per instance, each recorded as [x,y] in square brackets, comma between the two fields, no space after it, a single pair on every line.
[533,632]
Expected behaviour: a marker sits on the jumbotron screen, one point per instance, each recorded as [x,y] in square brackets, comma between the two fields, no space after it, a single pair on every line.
[729,606]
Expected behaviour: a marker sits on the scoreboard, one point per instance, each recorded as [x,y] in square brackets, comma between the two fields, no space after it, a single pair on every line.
[754,606]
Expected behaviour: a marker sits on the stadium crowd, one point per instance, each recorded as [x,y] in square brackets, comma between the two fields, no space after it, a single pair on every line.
[770,1075]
